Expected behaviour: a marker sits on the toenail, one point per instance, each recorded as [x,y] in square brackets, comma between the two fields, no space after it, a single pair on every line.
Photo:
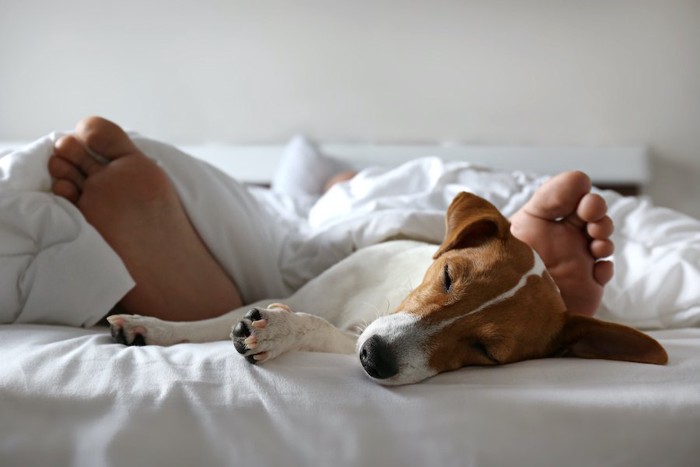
[99,158]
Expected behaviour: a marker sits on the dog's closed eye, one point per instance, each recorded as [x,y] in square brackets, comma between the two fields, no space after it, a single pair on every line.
[447,279]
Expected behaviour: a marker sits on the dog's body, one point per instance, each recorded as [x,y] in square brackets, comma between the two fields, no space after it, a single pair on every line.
[486,299]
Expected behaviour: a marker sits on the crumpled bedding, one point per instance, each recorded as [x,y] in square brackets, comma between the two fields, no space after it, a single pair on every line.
[71,396]
[55,268]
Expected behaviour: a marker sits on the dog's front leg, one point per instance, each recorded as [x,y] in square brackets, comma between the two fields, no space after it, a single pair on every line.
[266,333]
[145,330]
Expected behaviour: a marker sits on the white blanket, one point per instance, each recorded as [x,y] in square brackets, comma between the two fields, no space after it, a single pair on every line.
[55,268]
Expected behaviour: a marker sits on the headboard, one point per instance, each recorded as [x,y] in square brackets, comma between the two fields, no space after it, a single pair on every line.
[624,169]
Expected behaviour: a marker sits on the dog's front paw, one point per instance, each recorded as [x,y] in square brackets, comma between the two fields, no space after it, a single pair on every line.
[140,330]
[264,334]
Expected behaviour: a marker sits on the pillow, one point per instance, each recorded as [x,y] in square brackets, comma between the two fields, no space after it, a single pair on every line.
[304,170]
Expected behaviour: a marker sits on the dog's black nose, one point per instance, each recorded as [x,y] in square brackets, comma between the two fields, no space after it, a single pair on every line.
[377,358]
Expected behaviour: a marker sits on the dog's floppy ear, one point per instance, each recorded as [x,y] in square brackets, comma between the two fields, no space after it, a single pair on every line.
[585,337]
[471,220]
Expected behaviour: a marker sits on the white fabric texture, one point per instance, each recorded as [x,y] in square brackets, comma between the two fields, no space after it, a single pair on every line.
[657,257]
[657,264]
[272,243]
[72,397]
[54,266]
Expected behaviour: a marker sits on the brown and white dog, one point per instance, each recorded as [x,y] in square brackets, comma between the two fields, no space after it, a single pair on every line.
[486,299]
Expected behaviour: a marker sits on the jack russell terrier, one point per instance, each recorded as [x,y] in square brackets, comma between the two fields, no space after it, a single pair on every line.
[486,299]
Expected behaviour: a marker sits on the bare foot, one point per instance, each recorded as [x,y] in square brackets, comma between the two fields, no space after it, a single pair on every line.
[131,202]
[569,227]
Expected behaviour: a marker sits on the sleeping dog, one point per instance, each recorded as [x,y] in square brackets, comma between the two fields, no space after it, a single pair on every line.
[486,299]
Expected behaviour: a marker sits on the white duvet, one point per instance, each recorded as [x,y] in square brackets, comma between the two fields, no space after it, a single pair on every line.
[55,268]
[70,396]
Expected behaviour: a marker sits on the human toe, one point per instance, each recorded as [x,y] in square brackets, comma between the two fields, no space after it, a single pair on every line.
[66,189]
[560,196]
[601,248]
[61,169]
[71,150]
[601,229]
[105,137]
[603,271]
[591,208]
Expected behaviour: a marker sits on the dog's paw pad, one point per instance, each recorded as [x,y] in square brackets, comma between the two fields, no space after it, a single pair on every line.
[262,334]
[253,315]
[125,331]
[240,330]
[135,330]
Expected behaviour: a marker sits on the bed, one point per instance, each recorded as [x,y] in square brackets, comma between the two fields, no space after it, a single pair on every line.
[70,396]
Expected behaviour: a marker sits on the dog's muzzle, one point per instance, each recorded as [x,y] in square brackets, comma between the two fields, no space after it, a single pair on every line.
[377,358]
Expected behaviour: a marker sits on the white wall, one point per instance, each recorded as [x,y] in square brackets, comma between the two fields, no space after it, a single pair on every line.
[542,72]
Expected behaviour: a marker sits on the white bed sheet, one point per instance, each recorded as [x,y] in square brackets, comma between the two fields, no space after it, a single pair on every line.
[73,397]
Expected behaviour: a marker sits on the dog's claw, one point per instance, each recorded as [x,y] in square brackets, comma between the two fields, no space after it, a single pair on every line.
[261,323]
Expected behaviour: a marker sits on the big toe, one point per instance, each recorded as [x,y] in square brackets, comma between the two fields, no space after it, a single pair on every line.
[559,196]
[104,137]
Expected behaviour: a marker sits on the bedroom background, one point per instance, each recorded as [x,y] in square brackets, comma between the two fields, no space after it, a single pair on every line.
[541,73]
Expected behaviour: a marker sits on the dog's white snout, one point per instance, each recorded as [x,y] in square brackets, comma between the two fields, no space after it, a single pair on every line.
[392,350]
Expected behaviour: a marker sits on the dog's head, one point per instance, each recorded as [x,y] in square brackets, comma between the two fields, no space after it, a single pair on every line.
[487,299]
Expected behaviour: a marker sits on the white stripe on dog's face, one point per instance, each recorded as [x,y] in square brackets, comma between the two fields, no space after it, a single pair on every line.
[538,269]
